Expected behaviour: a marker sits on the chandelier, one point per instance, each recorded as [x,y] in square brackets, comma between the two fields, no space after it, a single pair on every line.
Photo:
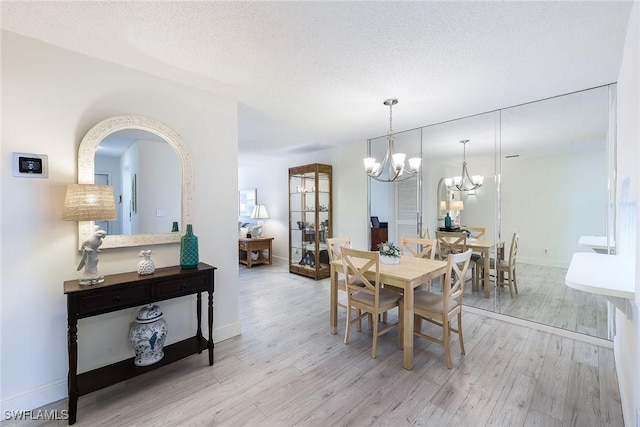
[464,182]
[392,168]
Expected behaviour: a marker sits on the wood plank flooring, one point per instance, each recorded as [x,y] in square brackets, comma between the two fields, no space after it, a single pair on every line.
[544,298]
[286,369]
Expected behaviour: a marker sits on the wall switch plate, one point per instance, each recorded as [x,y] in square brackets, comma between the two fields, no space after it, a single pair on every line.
[159,212]
[27,165]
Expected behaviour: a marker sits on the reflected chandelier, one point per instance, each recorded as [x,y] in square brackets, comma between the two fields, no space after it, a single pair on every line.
[464,182]
[393,163]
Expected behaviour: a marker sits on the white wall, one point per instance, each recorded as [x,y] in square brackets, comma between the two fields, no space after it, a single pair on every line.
[552,201]
[627,340]
[50,98]
[270,178]
[159,187]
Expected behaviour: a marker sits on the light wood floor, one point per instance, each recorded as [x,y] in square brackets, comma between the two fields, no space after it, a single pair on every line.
[543,297]
[286,369]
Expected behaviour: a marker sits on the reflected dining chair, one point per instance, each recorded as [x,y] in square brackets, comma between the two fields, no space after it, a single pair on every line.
[334,247]
[441,308]
[506,269]
[451,242]
[366,294]
[476,233]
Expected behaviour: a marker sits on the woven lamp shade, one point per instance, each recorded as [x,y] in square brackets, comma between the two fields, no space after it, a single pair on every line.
[89,202]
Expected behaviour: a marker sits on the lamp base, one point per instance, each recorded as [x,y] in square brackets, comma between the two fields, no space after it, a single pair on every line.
[91,280]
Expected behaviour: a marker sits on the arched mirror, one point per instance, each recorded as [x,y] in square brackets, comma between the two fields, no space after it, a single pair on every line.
[150,169]
[442,201]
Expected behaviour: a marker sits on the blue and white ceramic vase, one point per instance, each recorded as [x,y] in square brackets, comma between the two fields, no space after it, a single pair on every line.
[189,249]
[148,335]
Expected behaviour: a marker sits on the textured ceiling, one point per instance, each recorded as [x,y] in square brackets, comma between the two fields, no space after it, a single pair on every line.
[313,74]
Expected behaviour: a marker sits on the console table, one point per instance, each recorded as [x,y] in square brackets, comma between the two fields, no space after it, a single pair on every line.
[254,244]
[126,290]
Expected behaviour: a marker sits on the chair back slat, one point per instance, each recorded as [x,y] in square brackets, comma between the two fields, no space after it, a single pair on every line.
[477,232]
[451,243]
[457,265]
[513,251]
[419,248]
[334,244]
[355,264]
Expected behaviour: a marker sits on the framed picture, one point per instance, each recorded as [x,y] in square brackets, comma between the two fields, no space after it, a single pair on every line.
[246,202]
[375,222]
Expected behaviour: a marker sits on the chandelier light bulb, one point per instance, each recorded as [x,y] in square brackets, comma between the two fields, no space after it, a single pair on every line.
[398,161]
[369,163]
[414,164]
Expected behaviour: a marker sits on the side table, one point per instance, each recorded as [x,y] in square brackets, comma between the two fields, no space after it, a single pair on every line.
[246,246]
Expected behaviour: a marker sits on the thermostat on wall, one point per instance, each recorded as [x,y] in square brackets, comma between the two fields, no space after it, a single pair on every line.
[30,165]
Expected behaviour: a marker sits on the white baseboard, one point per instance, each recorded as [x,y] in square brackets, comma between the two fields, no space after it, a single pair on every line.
[543,262]
[57,390]
[227,332]
[540,327]
[36,397]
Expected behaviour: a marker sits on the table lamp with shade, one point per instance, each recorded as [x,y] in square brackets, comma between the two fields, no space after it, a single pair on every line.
[259,212]
[458,206]
[90,202]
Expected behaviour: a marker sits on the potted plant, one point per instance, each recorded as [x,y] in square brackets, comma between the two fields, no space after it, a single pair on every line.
[389,253]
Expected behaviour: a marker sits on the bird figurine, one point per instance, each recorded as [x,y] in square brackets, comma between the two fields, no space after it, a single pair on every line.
[152,339]
[90,258]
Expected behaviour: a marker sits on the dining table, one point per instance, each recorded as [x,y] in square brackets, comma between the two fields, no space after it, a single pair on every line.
[407,275]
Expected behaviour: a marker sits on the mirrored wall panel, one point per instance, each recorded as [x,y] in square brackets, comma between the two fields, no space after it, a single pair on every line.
[543,174]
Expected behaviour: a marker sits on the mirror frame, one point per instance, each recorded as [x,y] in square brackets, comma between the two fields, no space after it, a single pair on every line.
[86,175]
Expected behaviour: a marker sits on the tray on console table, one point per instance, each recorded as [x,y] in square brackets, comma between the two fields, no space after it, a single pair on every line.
[126,290]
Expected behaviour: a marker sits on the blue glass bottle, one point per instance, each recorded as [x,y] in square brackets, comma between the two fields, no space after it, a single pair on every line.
[447,221]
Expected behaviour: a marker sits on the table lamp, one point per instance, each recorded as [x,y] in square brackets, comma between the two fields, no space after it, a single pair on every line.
[458,206]
[90,202]
[259,212]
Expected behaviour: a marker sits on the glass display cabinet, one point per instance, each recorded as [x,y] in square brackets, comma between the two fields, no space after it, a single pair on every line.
[310,220]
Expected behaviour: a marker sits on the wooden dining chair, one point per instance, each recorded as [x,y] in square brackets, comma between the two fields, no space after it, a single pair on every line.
[477,232]
[334,247]
[425,233]
[441,308]
[367,294]
[451,242]
[418,247]
[505,269]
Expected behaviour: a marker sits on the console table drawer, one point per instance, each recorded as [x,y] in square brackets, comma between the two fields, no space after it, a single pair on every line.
[113,299]
[183,286]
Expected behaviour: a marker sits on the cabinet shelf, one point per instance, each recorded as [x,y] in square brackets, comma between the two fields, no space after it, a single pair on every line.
[310,219]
